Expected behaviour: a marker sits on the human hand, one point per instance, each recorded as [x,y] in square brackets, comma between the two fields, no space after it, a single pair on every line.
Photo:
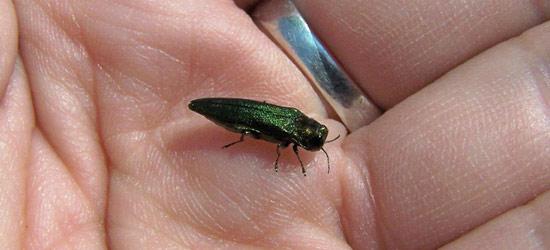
[99,149]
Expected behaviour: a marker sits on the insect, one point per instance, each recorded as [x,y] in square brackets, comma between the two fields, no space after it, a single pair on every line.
[261,120]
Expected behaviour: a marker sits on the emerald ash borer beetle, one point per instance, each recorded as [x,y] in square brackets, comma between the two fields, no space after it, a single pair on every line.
[261,120]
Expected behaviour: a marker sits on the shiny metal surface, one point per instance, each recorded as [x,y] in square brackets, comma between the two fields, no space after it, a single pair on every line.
[283,23]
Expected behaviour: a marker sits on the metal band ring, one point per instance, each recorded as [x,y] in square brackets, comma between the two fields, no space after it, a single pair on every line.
[281,20]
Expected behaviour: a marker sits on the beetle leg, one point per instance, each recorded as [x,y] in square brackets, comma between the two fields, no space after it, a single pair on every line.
[240,140]
[295,148]
[278,155]
[279,146]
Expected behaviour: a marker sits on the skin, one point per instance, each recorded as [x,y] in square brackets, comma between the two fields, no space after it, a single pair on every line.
[99,150]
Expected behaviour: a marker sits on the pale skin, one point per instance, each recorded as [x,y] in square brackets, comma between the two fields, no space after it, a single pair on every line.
[98,148]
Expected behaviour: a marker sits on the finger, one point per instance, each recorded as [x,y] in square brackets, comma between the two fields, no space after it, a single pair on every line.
[61,76]
[58,213]
[8,43]
[16,123]
[525,227]
[468,148]
[394,48]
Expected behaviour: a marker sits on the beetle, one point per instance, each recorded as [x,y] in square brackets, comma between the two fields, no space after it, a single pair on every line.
[269,122]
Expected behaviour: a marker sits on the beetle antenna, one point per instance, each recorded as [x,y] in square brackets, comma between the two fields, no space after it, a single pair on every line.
[333,139]
[328,160]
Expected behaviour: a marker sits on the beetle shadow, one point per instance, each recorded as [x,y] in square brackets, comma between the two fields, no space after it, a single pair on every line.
[210,140]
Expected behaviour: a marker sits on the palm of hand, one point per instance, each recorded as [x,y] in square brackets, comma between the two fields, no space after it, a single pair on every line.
[100,146]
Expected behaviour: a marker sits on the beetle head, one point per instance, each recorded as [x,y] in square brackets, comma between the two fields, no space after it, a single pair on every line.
[312,135]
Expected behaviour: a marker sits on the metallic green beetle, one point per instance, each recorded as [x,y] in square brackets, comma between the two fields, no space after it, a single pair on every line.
[261,120]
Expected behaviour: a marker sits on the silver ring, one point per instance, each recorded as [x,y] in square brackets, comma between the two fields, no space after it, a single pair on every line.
[281,20]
